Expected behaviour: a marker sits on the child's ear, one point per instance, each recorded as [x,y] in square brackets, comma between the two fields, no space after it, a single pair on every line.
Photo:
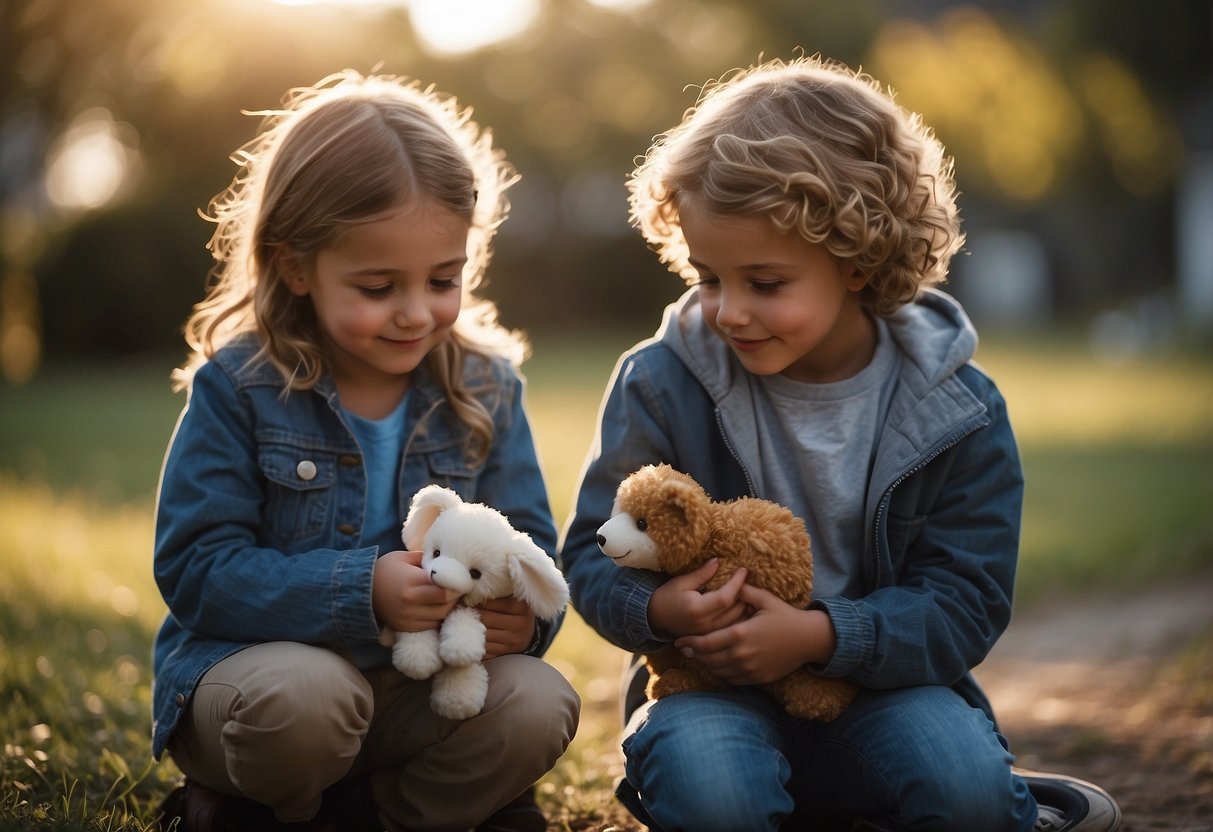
[856,279]
[291,271]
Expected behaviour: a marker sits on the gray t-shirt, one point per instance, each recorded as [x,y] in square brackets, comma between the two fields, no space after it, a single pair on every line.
[816,446]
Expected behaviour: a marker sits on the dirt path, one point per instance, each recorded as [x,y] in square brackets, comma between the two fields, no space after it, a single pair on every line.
[1117,690]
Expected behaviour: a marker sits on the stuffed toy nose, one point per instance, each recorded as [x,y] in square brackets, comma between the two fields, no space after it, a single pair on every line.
[601,541]
[449,574]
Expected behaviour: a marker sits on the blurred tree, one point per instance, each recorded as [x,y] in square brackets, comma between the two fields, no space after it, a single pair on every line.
[1168,44]
[118,271]
[117,118]
[577,99]
[1056,133]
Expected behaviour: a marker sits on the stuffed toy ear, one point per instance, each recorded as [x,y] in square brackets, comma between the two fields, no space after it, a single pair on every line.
[683,499]
[536,579]
[427,504]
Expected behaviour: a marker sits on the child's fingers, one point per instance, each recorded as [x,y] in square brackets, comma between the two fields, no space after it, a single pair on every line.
[507,631]
[756,597]
[696,578]
[734,585]
[714,650]
[509,605]
[726,596]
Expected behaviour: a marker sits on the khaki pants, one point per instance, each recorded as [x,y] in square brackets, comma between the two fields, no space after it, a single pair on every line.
[281,722]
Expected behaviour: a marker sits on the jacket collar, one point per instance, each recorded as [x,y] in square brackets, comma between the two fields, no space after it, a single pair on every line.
[930,406]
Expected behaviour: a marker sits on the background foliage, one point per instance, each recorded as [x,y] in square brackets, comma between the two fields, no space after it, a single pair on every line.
[1072,121]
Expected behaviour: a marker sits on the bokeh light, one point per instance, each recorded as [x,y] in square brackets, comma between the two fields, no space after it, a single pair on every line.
[92,161]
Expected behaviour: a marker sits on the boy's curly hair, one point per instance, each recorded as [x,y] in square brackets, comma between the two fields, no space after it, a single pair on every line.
[821,150]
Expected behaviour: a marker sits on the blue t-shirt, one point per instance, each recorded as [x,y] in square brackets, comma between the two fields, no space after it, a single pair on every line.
[382,443]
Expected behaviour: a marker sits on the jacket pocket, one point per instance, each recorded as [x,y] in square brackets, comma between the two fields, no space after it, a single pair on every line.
[903,532]
[300,490]
[448,467]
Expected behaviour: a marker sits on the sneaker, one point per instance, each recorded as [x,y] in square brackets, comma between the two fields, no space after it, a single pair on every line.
[1067,804]
[195,808]
[349,806]
[522,814]
[192,807]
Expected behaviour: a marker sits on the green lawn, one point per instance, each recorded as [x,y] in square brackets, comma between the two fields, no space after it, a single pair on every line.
[1119,464]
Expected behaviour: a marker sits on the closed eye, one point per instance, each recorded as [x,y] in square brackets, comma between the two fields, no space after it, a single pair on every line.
[376,292]
[766,287]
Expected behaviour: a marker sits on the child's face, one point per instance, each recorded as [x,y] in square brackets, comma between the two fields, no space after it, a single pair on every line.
[387,292]
[782,304]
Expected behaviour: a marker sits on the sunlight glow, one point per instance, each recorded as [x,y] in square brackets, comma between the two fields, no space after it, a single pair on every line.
[454,27]
[458,27]
[368,3]
[619,5]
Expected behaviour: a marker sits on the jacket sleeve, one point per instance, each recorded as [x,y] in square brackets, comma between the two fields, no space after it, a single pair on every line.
[948,535]
[511,481]
[214,576]
[633,430]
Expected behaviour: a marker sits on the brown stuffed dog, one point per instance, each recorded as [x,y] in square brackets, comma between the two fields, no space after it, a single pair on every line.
[664,521]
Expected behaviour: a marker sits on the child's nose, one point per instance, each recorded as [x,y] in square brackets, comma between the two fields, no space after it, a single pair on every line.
[412,311]
[731,312]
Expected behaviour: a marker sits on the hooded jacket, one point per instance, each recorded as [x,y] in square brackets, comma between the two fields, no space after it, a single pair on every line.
[942,508]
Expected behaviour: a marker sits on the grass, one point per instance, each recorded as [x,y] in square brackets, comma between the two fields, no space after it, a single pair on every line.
[77,612]
[1119,462]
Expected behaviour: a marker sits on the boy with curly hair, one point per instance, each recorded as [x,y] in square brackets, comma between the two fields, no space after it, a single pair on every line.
[813,362]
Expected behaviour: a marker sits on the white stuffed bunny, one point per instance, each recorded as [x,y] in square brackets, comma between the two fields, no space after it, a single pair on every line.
[473,550]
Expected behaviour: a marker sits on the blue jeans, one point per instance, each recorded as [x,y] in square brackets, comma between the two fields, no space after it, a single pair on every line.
[912,758]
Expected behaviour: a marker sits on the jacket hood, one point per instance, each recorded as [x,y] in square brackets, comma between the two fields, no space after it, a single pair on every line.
[934,335]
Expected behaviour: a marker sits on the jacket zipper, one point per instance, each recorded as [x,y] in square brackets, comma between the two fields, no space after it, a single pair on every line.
[888,494]
[724,436]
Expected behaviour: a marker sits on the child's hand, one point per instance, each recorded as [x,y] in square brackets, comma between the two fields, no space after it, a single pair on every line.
[509,626]
[766,646]
[680,608]
[402,596]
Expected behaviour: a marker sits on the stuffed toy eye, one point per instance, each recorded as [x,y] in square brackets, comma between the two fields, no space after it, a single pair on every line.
[642,524]
[475,573]
[437,553]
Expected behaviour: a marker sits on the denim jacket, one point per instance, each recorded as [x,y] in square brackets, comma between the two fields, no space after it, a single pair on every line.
[261,502]
[942,509]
